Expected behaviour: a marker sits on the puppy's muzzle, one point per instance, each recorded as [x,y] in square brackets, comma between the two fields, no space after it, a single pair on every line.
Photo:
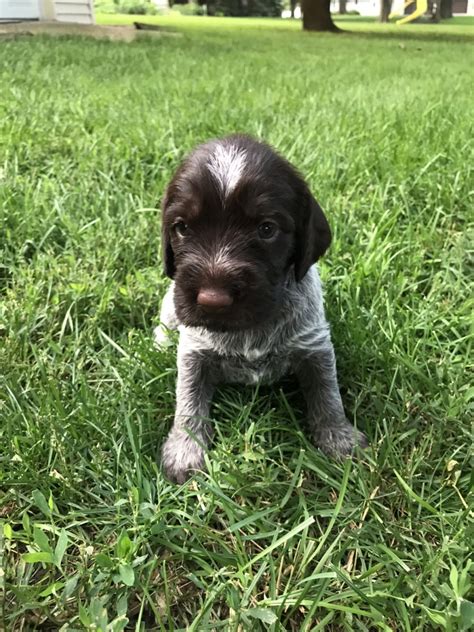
[214,300]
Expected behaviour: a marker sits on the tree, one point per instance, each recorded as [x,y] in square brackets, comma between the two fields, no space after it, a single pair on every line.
[239,8]
[385,7]
[342,7]
[317,16]
[441,9]
[292,7]
[446,8]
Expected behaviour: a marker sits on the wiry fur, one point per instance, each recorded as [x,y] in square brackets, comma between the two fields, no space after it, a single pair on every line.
[227,165]
[290,335]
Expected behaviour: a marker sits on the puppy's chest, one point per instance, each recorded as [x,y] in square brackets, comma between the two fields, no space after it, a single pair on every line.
[253,367]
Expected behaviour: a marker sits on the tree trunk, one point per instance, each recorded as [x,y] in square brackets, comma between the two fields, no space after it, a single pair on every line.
[211,8]
[446,9]
[342,7]
[292,7]
[434,8]
[385,7]
[317,16]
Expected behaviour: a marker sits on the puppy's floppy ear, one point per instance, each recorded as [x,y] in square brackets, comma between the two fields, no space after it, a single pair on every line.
[166,248]
[313,236]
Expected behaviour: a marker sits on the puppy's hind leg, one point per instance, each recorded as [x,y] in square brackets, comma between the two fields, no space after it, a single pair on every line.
[168,320]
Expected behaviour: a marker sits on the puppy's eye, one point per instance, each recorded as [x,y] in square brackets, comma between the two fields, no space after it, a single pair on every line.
[266,230]
[180,228]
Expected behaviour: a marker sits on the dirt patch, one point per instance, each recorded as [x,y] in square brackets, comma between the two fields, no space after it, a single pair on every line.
[119,33]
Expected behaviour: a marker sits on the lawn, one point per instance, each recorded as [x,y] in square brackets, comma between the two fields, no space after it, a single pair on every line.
[275,536]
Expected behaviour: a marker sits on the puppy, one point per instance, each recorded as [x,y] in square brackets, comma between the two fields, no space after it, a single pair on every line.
[241,233]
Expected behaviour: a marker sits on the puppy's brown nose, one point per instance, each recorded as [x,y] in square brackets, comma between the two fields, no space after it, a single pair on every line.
[214,299]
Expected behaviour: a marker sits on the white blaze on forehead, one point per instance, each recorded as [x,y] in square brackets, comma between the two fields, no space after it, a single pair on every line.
[227,166]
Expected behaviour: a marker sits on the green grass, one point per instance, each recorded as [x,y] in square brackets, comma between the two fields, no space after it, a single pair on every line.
[454,28]
[276,536]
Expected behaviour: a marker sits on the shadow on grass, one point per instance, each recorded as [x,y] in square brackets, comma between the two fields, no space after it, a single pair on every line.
[343,19]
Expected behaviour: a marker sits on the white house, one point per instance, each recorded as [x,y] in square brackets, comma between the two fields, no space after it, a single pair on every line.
[77,11]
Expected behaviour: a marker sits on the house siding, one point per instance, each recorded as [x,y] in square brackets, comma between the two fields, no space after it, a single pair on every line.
[19,10]
[78,11]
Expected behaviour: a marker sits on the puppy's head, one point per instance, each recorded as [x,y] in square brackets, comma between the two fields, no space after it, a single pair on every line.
[238,220]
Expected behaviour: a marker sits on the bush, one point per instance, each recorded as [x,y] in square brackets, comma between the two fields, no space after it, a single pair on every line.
[105,6]
[240,8]
[191,8]
[133,7]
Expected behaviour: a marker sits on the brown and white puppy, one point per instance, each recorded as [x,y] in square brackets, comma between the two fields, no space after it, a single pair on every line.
[241,232]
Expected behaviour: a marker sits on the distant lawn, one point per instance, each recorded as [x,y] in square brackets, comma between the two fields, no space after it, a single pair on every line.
[457,25]
[276,536]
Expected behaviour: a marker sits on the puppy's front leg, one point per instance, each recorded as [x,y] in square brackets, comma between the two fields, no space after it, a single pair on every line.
[184,449]
[316,371]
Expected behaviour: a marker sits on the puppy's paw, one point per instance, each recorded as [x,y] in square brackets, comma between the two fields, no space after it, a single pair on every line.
[339,439]
[181,456]
[161,337]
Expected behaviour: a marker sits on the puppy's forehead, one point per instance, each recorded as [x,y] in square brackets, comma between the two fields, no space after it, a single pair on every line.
[234,176]
[227,164]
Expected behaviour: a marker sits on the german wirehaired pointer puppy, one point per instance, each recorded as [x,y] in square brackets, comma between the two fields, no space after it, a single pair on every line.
[241,234]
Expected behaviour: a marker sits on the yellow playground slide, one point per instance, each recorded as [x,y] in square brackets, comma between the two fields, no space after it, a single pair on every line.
[421,8]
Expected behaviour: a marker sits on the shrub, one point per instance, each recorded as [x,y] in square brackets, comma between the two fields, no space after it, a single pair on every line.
[240,8]
[133,7]
[191,8]
[105,6]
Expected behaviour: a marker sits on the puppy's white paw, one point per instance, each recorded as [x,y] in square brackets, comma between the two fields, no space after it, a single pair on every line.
[181,456]
[339,439]
[161,337]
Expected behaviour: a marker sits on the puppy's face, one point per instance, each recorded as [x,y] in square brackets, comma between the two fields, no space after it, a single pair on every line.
[237,222]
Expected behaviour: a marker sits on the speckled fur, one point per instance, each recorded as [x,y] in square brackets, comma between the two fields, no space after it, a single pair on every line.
[213,210]
[299,342]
